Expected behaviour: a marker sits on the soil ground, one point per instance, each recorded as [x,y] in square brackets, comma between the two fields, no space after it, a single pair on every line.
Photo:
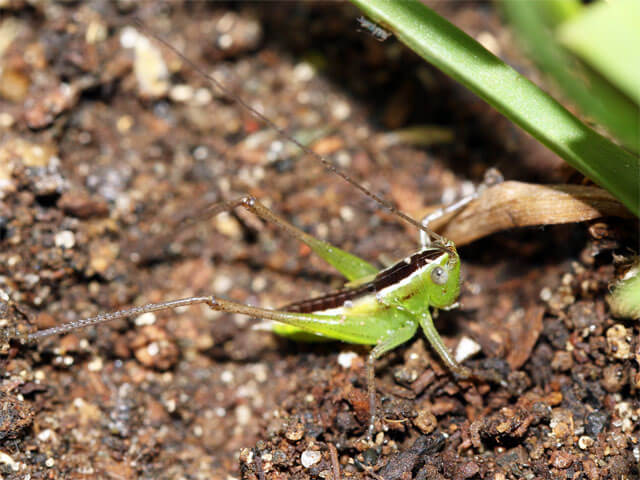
[98,171]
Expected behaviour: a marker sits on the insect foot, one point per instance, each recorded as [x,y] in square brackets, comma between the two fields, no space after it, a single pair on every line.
[489,372]
[212,303]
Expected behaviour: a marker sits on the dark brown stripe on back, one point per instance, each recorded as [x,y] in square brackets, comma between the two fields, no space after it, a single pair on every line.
[384,279]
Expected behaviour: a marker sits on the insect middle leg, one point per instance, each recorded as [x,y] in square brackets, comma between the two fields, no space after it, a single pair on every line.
[393,340]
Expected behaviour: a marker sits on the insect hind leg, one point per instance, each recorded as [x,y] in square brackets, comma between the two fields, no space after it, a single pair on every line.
[327,325]
[349,265]
[352,267]
[108,317]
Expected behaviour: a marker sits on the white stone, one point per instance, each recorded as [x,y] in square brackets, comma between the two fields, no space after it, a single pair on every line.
[148,318]
[303,72]
[309,458]
[45,435]
[467,348]
[345,359]
[65,239]
[181,93]
[150,69]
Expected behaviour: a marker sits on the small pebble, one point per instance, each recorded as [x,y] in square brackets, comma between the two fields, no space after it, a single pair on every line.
[6,120]
[346,213]
[467,470]
[222,284]
[345,359]
[6,459]
[124,123]
[202,96]
[201,152]
[45,435]
[370,456]
[560,459]
[95,365]
[150,69]
[148,318]
[614,378]
[340,111]
[181,93]
[627,416]
[153,349]
[65,239]
[426,421]
[488,41]
[279,457]
[562,361]
[467,348]
[310,457]
[30,154]
[546,294]
[303,72]
[294,432]
[243,415]
[562,424]
[14,85]
[619,342]
[595,422]
[225,41]
[96,32]
[585,442]
[128,37]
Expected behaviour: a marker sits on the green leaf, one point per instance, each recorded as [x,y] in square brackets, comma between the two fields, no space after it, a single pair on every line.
[607,37]
[458,55]
[625,299]
[591,91]
[558,11]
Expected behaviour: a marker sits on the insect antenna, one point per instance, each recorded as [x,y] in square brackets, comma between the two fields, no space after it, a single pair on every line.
[328,164]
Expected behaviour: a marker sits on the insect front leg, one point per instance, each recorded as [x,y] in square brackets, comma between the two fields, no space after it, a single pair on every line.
[429,329]
[460,371]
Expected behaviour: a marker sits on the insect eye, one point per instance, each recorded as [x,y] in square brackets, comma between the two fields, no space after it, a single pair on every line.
[439,276]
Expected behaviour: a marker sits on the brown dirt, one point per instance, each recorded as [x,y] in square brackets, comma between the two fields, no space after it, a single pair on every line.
[94,174]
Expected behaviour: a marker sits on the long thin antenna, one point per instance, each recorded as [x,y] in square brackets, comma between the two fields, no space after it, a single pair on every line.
[328,164]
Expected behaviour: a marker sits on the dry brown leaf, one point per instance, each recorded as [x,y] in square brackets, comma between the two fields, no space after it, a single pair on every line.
[517,204]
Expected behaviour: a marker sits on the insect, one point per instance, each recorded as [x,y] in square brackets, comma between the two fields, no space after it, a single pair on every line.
[377,32]
[381,308]
[438,253]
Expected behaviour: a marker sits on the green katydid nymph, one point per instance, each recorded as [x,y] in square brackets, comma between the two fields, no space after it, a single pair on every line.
[381,308]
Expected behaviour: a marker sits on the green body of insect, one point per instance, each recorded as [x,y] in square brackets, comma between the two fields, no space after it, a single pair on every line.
[381,308]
